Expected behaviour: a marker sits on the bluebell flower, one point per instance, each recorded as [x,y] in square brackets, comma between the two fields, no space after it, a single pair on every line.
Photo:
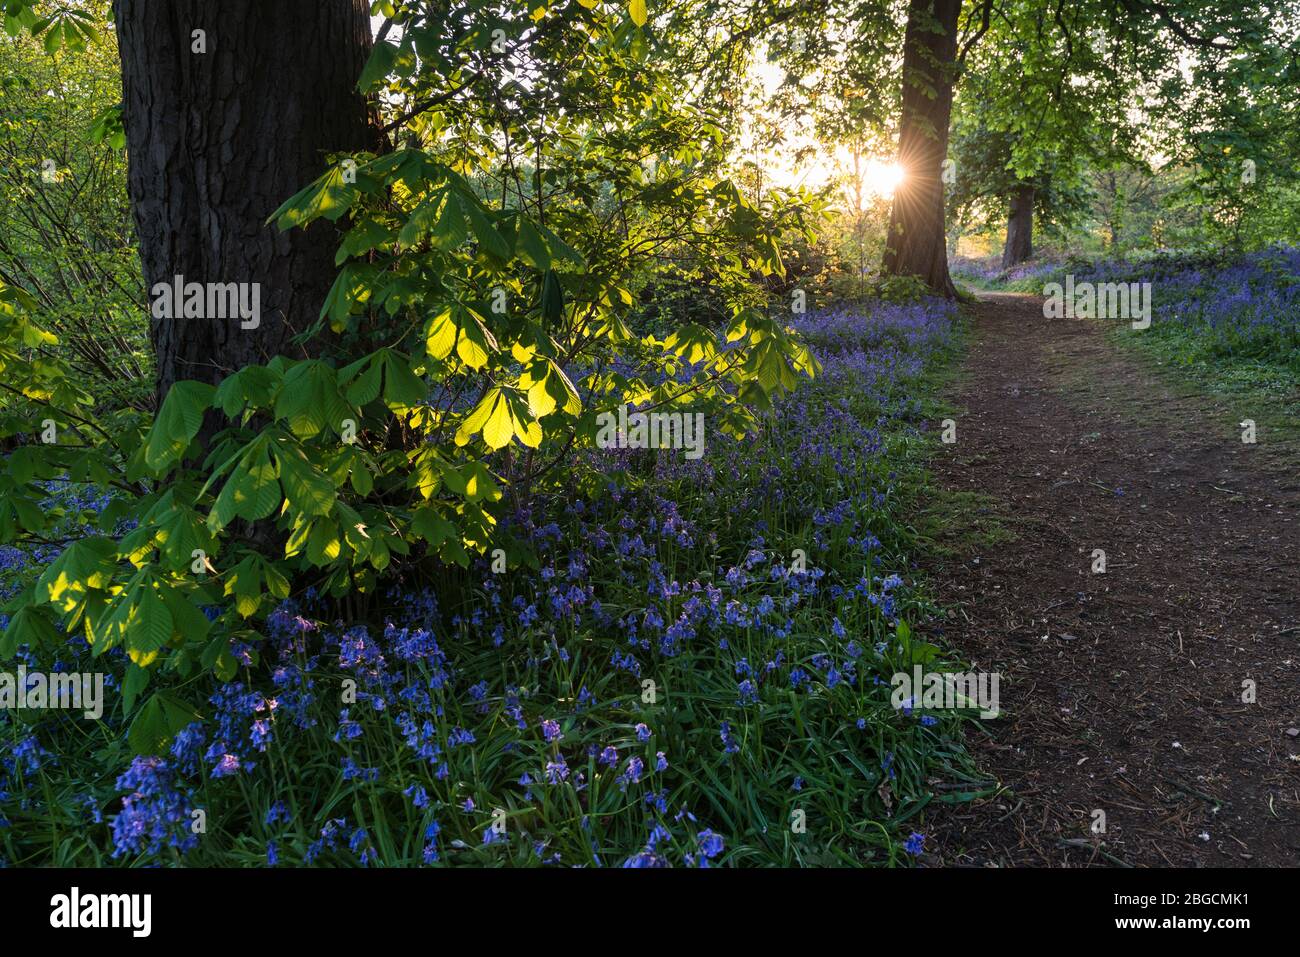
[632,773]
[226,766]
[557,771]
[729,745]
[748,692]
[710,844]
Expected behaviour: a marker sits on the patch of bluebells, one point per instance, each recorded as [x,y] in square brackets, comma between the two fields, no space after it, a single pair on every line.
[155,812]
[1208,305]
[1245,306]
[637,581]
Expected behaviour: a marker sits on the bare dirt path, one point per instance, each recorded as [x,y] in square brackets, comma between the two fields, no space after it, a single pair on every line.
[1122,692]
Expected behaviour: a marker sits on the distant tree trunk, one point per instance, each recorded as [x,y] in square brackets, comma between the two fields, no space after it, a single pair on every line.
[1116,209]
[915,245]
[1020,227]
[222,126]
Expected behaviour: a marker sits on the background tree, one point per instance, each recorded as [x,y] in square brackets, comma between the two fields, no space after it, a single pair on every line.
[988,193]
[916,243]
[1242,123]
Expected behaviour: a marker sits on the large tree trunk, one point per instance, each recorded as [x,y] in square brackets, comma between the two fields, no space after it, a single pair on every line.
[1020,227]
[915,245]
[217,140]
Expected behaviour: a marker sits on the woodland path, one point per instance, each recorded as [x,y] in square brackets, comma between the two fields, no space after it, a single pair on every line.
[1121,692]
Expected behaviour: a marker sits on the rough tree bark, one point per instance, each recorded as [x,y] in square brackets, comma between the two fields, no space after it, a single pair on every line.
[916,242]
[217,140]
[1020,227]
